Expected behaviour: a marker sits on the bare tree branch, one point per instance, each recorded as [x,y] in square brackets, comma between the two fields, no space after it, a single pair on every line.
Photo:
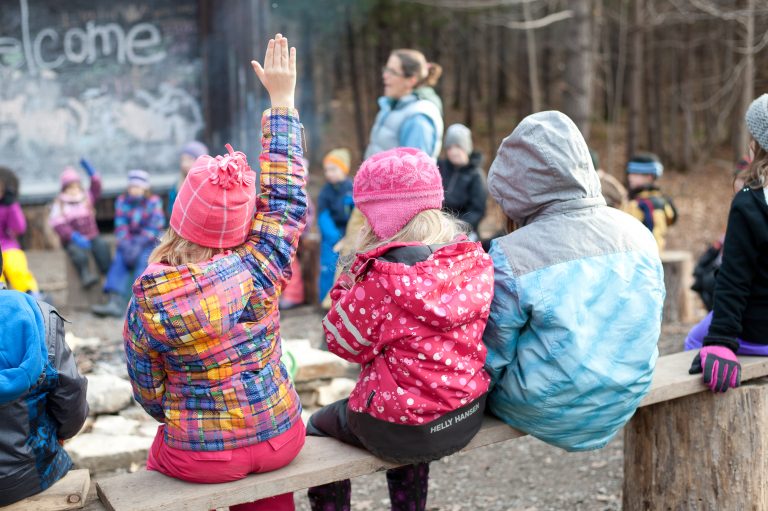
[532,24]
[465,5]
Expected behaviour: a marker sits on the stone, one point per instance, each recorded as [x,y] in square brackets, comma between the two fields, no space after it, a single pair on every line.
[313,363]
[108,393]
[137,413]
[102,453]
[339,388]
[77,344]
[148,429]
[115,425]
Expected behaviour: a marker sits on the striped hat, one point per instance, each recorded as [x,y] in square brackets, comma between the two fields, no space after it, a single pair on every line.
[216,202]
[139,178]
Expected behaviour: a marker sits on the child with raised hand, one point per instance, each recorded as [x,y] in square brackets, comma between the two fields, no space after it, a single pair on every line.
[579,287]
[411,310]
[139,220]
[740,305]
[202,333]
[13,224]
[42,396]
[73,218]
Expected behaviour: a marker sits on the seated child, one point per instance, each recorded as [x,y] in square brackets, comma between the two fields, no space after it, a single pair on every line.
[190,152]
[73,217]
[646,202]
[463,178]
[411,310]
[15,272]
[42,396]
[139,220]
[202,332]
[579,287]
[334,206]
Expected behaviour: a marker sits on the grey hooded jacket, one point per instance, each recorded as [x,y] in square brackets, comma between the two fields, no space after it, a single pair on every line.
[579,288]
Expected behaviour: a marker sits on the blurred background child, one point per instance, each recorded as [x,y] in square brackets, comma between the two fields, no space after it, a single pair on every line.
[334,207]
[15,272]
[463,179]
[190,151]
[73,218]
[139,220]
[646,202]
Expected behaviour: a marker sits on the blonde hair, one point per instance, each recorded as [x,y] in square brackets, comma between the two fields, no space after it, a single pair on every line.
[430,227]
[174,250]
[757,174]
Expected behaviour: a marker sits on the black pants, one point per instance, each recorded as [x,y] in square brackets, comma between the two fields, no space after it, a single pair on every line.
[101,254]
[408,485]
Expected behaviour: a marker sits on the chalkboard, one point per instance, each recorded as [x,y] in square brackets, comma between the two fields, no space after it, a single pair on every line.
[116,82]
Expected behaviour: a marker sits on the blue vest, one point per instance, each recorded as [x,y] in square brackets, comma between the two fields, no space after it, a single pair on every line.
[385,133]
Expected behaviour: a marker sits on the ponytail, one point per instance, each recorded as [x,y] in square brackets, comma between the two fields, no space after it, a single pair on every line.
[414,63]
[434,72]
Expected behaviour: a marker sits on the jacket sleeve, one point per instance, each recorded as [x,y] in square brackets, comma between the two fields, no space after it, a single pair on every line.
[418,131]
[506,320]
[67,403]
[670,211]
[17,224]
[145,367]
[478,195]
[59,223]
[347,321]
[150,231]
[121,220]
[95,190]
[281,207]
[734,280]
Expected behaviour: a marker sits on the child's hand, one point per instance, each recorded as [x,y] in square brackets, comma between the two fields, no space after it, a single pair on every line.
[279,72]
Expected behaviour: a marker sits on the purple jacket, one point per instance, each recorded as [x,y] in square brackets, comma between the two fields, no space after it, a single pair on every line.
[12,225]
[68,216]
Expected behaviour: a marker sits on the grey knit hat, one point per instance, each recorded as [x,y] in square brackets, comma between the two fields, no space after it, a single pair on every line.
[757,120]
[459,135]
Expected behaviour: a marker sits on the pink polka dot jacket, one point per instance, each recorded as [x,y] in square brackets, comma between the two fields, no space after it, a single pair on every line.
[416,329]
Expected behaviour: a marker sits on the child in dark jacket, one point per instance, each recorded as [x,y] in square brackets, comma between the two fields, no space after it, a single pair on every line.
[334,206]
[411,310]
[462,175]
[646,201]
[139,220]
[202,333]
[15,272]
[73,217]
[740,309]
[42,396]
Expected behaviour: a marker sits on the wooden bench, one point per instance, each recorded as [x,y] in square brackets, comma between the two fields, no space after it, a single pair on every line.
[69,492]
[324,460]
[678,278]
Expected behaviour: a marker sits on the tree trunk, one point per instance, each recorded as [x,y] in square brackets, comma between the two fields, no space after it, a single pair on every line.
[747,93]
[502,82]
[533,66]
[704,452]
[357,93]
[578,66]
[636,81]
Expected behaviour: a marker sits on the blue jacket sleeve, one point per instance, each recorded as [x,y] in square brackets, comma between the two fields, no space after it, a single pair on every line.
[506,320]
[419,132]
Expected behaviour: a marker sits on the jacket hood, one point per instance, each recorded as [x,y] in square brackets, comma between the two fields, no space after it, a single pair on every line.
[180,305]
[429,94]
[23,353]
[435,290]
[544,164]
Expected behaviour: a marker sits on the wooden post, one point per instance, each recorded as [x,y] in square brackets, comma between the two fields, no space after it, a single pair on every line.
[678,271]
[703,451]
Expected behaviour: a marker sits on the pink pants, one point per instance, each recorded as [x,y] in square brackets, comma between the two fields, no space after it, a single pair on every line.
[231,465]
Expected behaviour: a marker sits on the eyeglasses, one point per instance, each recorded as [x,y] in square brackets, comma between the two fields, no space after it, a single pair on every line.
[386,70]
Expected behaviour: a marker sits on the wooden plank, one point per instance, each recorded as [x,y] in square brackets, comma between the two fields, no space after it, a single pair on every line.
[323,460]
[671,379]
[69,492]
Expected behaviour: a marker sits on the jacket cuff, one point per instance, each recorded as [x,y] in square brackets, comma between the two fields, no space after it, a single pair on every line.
[718,340]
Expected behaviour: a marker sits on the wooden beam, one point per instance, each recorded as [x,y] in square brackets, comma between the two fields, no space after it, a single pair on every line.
[69,492]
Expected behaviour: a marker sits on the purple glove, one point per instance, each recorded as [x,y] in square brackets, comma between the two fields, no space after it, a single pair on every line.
[720,366]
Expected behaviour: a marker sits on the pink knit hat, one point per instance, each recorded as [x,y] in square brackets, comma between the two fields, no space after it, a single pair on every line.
[393,186]
[215,204]
[68,176]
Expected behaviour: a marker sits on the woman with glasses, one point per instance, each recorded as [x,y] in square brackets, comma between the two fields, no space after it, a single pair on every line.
[410,111]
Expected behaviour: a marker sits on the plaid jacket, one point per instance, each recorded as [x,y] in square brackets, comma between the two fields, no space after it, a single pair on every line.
[139,220]
[203,340]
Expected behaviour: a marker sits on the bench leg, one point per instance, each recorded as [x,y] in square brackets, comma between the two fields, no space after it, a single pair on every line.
[703,451]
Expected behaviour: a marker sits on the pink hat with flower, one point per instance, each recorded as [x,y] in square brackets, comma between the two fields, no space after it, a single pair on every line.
[216,202]
[394,186]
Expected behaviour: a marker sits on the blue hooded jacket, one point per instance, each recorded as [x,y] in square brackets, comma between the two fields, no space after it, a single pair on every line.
[42,397]
[576,314]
